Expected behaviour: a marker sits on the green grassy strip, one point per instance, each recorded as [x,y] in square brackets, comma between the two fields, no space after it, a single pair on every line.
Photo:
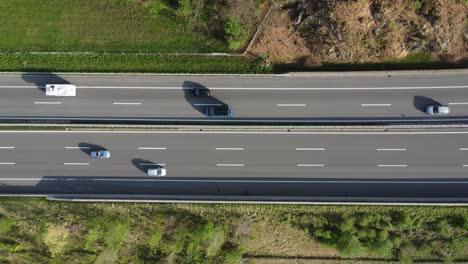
[128,63]
[189,64]
[100,26]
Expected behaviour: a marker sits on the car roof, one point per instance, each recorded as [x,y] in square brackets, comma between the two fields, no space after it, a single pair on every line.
[443,109]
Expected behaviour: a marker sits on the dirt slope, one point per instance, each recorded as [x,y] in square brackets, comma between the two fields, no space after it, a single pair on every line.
[315,31]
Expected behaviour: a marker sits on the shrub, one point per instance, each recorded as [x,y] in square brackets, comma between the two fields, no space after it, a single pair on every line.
[347,225]
[56,239]
[155,237]
[5,225]
[216,241]
[416,4]
[444,229]
[235,33]
[108,256]
[185,9]
[350,246]
[383,249]
[233,256]
[458,245]
[156,7]
[116,234]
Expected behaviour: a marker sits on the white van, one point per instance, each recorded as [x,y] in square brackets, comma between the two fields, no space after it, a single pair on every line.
[60,90]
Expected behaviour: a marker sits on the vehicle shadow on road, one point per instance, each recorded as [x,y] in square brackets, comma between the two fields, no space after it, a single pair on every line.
[143,165]
[199,103]
[88,147]
[40,80]
[422,102]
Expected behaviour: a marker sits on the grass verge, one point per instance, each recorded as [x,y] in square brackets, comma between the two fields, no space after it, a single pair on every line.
[40,231]
[100,26]
[128,63]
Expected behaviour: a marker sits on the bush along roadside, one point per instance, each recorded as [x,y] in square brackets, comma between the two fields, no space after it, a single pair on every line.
[129,63]
[33,230]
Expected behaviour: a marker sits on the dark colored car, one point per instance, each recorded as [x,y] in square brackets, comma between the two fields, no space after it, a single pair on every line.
[201,92]
[218,111]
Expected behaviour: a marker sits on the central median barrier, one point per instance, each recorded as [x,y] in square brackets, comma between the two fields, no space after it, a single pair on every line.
[459,120]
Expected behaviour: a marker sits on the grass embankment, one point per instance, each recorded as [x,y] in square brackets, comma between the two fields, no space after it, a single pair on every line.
[35,230]
[99,26]
[117,26]
[129,63]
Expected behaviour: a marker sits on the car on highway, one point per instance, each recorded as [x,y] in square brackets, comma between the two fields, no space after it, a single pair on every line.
[60,90]
[218,111]
[159,171]
[201,92]
[100,154]
[437,110]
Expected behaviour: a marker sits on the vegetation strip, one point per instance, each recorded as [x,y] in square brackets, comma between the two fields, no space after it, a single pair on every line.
[129,63]
[35,230]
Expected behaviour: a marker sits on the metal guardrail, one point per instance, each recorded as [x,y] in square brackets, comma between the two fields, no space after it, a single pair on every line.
[462,120]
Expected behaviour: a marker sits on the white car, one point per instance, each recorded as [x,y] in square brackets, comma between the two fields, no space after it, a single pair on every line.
[160,171]
[100,154]
[437,110]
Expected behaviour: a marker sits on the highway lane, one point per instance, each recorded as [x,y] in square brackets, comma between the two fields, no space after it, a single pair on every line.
[251,97]
[321,166]
[286,155]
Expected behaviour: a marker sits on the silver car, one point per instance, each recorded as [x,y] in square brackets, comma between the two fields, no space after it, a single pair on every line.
[100,154]
[437,110]
[160,171]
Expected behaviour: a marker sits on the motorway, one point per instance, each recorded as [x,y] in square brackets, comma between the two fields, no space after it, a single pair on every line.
[116,96]
[305,164]
[242,155]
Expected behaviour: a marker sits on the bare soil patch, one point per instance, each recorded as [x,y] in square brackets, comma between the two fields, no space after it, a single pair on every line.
[365,31]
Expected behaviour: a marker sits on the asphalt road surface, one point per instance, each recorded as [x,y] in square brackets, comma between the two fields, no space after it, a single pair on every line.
[242,155]
[116,96]
[353,165]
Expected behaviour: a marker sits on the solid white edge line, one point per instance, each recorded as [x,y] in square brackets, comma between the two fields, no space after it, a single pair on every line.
[230,165]
[301,105]
[321,149]
[310,165]
[463,149]
[465,165]
[152,164]
[392,165]
[391,149]
[376,104]
[75,163]
[7,147]
[257,88]
[236,181]
[459,103]
[7,163]
[232,132]
[77,147]
[51,103]
[152,148]
[229,148]
[124,103]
